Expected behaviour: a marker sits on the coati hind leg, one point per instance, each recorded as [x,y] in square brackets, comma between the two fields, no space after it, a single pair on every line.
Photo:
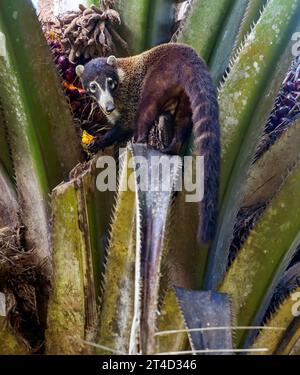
[147,114]
[182,126]
[156,93]
[171,101]
[165,128]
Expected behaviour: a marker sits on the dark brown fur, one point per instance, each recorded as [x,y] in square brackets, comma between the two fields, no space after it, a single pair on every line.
[170,77]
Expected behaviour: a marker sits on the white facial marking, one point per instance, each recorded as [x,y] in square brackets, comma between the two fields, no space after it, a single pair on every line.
[93,87]
[105,98]
[110,83]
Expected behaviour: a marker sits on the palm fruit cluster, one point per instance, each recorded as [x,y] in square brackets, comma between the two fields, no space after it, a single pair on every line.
[286,108]
[75,37]
[287,284]
[245,222]
[84,113]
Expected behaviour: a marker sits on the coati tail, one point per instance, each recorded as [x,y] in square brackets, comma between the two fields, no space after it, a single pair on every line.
[200,90]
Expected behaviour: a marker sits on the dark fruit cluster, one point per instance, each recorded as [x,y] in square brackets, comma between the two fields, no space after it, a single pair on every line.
[285,111]
[288,283]
[245,222]
[76,37]
[286,108]
[86,116]
[65,67]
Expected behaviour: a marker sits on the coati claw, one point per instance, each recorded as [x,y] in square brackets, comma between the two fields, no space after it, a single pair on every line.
[92,147]
[96,145]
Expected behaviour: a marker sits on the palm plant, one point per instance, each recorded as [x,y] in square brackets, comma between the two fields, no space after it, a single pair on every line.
[72,271]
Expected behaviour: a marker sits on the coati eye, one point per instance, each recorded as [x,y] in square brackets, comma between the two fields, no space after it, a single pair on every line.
[93,87]
[112,83]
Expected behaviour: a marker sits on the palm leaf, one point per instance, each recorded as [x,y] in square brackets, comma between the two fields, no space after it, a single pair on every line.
[263,182]
[185,252]
[222,52]
[170,319]
[154,210]
[37,125]
[134,14]
[284,329]
[252,73]
[47,114]
[204,311]
[5,159]
[9,207]
[203,25]
[74,303]
[117,306]
[250,18]
[161,18]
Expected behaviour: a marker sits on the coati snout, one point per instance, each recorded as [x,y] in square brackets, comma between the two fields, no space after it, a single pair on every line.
[100,79]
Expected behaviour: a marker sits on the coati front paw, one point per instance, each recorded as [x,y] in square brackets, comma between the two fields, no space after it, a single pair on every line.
[96,145]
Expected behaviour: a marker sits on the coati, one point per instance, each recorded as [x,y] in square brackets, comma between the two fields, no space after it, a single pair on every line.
[134,91]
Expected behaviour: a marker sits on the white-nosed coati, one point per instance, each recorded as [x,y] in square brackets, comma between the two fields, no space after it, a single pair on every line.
[134,91]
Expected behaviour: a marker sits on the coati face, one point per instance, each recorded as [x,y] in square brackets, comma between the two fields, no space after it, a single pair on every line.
[100,79]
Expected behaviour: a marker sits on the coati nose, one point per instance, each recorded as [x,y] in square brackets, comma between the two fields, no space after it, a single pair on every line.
[110,107]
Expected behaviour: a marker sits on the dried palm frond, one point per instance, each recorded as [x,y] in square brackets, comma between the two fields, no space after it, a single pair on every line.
[20,278]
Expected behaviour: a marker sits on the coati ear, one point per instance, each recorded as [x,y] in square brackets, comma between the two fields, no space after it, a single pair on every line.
[79,70]
[112,60]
